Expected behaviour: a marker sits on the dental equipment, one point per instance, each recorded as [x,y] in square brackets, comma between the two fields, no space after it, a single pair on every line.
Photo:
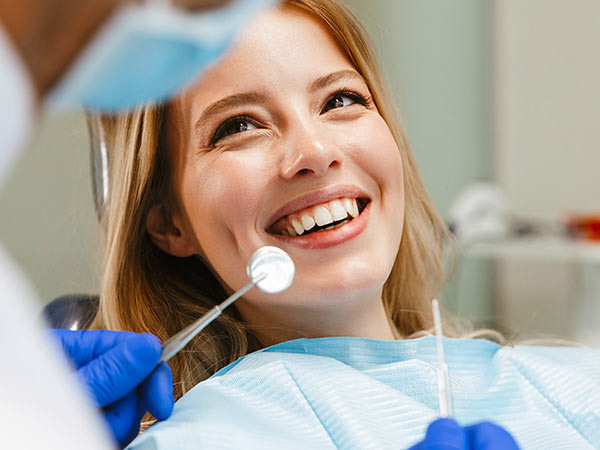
[445,393]
[270,269]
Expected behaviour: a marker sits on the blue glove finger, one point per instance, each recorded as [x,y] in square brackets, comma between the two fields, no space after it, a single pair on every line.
[123,418]
[488,436]
[122,368]
[444,434]
[83,346]
[157,392]
[418,446]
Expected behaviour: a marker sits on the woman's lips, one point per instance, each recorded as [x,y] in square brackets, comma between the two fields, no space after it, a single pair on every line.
[323,239]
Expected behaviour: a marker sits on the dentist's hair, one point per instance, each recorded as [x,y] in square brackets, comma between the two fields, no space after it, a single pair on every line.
[146,290]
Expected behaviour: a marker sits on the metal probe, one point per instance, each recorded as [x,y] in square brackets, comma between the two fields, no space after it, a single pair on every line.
[269,268]
[445,393]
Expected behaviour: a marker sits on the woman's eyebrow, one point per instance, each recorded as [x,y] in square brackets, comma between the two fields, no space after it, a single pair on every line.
[231,101]
[248,98]
[326,80]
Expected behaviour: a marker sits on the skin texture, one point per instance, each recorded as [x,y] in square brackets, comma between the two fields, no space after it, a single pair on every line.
[50,33]
[294,142]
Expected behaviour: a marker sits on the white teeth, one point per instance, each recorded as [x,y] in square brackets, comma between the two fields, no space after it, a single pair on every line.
[297,226]
[322,216]
[351,206]
[307,222]
[338,212]
[333,211]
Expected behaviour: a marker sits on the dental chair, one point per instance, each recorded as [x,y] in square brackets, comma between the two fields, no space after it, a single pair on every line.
[74,312]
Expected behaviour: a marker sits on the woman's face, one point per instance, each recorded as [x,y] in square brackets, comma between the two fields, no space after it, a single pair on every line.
[280,144]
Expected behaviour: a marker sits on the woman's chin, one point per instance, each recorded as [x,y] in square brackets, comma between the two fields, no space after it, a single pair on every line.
[321,292]
[363,271]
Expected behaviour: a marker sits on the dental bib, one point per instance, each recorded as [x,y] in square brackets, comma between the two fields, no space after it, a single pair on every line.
[361,393]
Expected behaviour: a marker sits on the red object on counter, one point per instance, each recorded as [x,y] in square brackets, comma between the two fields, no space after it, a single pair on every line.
[584,226]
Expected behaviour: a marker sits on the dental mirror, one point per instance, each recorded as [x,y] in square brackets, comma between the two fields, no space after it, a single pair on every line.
[270,269]
[276,264]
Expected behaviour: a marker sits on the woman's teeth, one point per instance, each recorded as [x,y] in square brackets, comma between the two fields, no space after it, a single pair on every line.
[307,222]
[298,223]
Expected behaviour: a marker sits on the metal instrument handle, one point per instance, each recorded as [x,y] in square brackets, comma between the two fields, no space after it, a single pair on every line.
[179,340]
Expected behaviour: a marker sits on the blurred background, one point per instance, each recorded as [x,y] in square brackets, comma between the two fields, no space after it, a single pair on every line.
[501,91]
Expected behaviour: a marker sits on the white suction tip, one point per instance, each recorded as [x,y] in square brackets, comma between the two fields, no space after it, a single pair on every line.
[274,266]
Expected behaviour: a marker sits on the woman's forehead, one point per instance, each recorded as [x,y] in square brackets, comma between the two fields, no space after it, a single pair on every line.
[283,48]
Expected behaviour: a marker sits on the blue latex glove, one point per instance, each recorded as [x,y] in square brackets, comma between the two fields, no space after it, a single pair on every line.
[118,369]
[446,434]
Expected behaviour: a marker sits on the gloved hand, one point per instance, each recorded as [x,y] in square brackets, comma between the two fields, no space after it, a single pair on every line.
[118,370]
[446,434]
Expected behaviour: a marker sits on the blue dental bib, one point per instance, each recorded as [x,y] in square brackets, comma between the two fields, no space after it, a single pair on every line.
[360,393]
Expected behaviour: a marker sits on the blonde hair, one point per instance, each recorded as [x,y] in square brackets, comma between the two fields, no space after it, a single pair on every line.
[146,290]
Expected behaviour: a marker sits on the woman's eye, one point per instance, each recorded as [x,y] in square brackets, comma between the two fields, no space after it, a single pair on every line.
[341,99]
[232,126]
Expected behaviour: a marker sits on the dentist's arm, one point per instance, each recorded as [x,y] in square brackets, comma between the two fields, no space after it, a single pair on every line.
[446,434]
[49,34]
[118,370]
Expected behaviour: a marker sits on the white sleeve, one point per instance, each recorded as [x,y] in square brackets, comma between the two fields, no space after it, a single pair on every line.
[41,405]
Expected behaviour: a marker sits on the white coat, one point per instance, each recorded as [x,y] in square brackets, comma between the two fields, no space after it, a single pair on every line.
[41,405]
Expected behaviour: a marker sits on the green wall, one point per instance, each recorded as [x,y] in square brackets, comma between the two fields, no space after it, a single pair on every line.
[48,224]
[438,58]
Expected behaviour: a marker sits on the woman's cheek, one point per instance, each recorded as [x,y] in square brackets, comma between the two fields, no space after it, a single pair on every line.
[244,182]
[377,151]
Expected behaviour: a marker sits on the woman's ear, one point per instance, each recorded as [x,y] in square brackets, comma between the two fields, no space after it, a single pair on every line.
[166,235]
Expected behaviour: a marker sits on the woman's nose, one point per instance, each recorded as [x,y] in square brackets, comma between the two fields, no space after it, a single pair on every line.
[309,153]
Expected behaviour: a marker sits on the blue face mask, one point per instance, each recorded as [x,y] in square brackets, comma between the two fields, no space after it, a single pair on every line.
[147,52]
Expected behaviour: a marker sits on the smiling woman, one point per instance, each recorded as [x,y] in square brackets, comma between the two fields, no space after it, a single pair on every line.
[291,141]
[269,149]
[304,139]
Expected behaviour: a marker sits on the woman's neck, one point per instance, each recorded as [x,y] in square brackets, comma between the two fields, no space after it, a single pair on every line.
[359,319]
